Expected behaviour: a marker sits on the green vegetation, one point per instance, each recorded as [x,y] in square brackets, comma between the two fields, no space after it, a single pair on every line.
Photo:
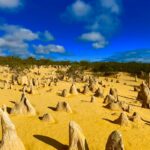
[106,67]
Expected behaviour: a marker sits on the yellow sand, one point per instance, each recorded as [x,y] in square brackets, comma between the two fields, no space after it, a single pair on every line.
[38,135]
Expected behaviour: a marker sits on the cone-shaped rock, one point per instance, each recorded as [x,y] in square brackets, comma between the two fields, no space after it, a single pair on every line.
[77,140]
[47,118]
[24,80]
[115,106]
[86,90]
[73,90]
[99,93]
[10,139]
[65,93]
[63,106]
[23,107]
[109,99]
[136,118]
[93,99]
[122,120]
[114,93]
[32,91]
[115,141]
[93,87]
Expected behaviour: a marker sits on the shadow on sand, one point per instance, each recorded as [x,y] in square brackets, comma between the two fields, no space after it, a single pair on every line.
[57,145]
[127,97]
[85,101]
[52,108]
[114,121]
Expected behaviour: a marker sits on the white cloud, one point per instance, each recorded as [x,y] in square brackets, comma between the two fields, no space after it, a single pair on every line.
[9,3]
[42,49]
[101,16]
[99,44]
[15,39]
[112,5]
[92,36]
[18,33]
[46,36]
[97,39]
[79,10]
[139,55]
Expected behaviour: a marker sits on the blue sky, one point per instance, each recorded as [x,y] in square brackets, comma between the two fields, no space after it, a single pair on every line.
[94,30]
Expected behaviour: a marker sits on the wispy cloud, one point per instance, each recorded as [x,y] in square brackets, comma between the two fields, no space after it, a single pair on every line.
[46,36]
[112,5]
[140,55]
[10,3]
[79,10]
[42,49]
[18,33]
[17,40]
[97,38]
[101,16]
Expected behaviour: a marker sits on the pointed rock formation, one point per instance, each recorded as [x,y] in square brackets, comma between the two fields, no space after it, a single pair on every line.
[73,89]
[122,120]
[24,89]
[32,90]
[63,106]
[114,93]
[86,90]
[117,81]
[10,139]
[24,80]
[65,93]
[47,118]
[93,87]
[77,140]
[115,106]
[23,107]
[99,93]
[124,106]
[93,99]
[144,95]
[136,78]
[148,80]
[115,141]
[136,118]
[109,99]
[136,89]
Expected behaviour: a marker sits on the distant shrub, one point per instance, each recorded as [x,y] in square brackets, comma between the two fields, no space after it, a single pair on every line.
[18,64]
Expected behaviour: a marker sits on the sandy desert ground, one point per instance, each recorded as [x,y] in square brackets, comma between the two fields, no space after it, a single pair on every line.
[95,120]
